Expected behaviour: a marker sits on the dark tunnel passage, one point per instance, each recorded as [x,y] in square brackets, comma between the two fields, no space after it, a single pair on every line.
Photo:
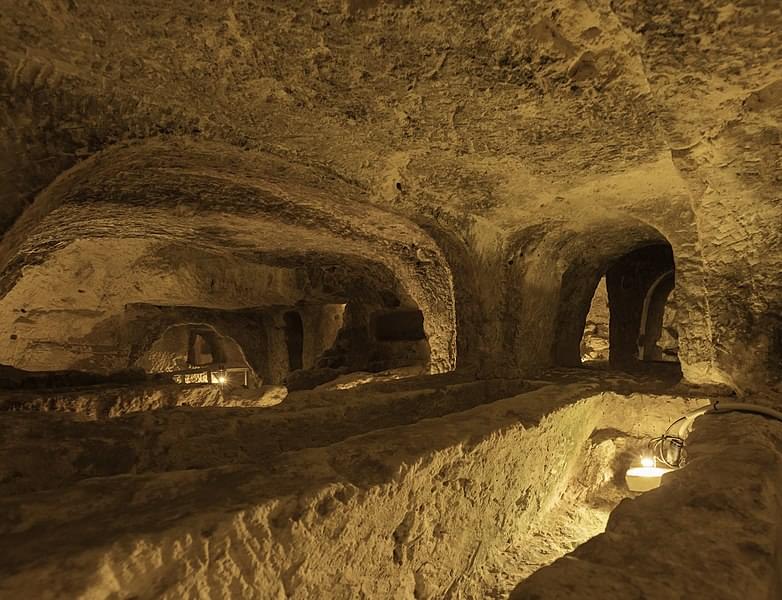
[294,340]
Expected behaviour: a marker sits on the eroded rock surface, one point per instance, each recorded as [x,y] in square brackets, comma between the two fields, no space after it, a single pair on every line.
[495,159]
[726,501]
[417,509]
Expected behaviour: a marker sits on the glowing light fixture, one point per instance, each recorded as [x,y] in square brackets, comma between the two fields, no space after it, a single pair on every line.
[646,477]
[221,376]
[669,449]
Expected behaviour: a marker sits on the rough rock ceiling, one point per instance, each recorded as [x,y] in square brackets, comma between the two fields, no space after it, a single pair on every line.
[490,126]
[455,96]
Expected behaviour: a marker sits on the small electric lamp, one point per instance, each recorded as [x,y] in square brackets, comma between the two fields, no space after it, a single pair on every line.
[222,376]
[670,448]
[646,477]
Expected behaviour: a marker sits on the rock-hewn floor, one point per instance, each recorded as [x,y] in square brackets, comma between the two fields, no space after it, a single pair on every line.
[422,505]
[580,514]
[712,531]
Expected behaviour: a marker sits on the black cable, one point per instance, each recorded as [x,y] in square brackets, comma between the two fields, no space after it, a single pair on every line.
[669,450]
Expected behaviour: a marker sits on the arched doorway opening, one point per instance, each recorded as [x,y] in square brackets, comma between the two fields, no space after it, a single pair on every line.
[632,316]
[658,338]
[204,347]
[196,353]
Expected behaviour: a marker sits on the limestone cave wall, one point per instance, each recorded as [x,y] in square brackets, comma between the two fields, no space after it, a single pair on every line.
[492,158]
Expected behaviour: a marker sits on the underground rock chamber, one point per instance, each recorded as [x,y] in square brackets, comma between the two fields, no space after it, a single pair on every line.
[370,299]
[415,480]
